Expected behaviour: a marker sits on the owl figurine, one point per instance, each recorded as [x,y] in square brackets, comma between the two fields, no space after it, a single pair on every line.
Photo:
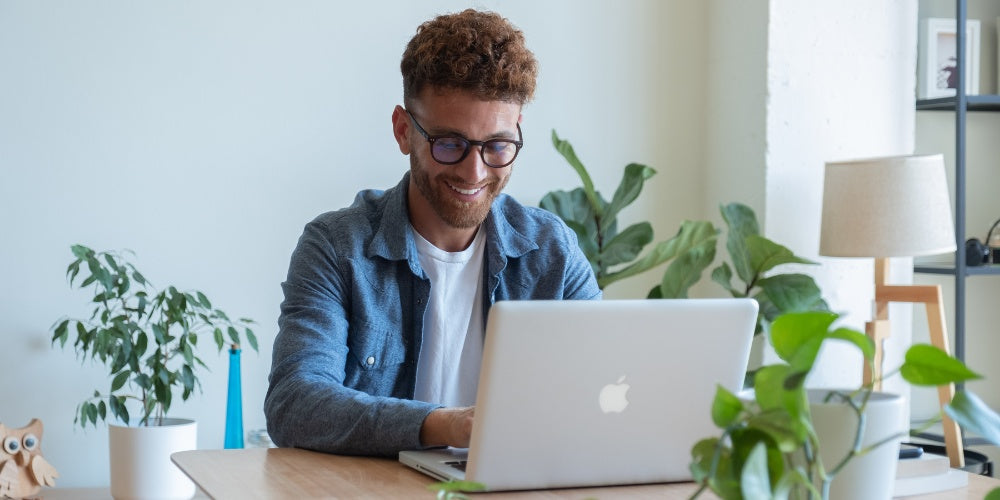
[23,471]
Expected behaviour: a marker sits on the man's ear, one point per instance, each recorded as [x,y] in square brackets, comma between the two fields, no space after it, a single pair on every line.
[401,129]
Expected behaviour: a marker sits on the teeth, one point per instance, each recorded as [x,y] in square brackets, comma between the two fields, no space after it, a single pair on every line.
[465,191]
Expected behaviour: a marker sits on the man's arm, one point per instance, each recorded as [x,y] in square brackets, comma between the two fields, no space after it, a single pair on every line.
[307,404]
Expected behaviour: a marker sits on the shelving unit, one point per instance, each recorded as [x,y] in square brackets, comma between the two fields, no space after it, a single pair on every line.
[960,104]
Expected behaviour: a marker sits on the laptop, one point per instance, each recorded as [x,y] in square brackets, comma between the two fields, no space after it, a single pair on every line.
[594,393]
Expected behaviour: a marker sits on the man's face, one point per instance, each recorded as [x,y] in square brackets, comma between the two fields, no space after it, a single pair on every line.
[458,195]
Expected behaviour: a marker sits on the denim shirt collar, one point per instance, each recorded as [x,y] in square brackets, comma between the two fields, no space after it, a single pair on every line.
[393,239]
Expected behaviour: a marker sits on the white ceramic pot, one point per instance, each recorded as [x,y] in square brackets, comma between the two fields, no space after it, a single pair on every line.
[870,476]
[140,459]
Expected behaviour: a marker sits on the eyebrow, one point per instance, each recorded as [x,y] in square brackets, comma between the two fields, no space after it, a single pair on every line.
[505,134]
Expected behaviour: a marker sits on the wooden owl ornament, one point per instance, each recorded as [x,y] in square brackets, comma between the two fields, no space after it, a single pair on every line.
[23,471]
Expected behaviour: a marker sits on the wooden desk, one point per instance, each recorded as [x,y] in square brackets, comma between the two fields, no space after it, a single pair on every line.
[299,474]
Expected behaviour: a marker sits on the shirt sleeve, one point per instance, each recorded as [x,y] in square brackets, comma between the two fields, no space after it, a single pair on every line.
[307,404]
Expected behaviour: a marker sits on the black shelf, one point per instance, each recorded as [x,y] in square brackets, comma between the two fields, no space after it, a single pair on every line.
[950,270]
[987,102]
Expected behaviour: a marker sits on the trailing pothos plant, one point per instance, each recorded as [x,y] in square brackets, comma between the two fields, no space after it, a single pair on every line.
[769,448]
[615,255]
[147,339]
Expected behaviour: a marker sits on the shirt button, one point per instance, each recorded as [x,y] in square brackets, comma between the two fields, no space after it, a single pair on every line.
[370,360]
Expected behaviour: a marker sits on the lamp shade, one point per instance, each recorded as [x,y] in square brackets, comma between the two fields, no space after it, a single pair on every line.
[886,207]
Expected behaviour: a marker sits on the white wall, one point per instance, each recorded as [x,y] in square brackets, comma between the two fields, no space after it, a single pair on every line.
[204,135]
[840,86]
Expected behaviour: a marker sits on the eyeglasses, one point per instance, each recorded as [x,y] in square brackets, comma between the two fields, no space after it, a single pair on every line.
[452,149]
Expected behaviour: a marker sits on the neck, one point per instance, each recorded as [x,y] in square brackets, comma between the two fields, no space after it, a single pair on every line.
[450,239]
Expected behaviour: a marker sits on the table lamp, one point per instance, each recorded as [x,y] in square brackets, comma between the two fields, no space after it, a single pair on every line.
[886,207]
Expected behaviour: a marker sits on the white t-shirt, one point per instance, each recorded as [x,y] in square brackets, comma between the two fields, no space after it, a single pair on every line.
[452,347]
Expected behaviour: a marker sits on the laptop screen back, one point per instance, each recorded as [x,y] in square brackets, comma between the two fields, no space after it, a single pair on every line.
[580,393]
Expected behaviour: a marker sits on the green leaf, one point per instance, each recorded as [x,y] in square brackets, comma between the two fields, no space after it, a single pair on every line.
[203,300]
[684,271]
[119,380]
[187,378]
[628,190]
[454,485]
[81,252]
[252,339]
[573,208]
[994,494]
[701,458]
[797,337]
[233,335]
[726,407]
[723,275]
[713,463]
[769,386]
[793,292]
[188,353]
[61,331]
[974,415]
[780,427]
[566,150]
[92,413]
[766,255]
[857,338]
[742,223]
[219,340]
[159,333]
[691,234]
[929,366]
[627,245]
[754,480]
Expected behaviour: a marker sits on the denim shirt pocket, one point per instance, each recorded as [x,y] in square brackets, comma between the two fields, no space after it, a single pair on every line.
[376,353]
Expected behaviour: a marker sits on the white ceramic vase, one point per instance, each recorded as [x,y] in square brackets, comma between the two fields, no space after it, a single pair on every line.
[870,476]
[140,459]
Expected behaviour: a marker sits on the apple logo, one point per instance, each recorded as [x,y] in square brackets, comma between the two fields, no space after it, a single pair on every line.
[612,398]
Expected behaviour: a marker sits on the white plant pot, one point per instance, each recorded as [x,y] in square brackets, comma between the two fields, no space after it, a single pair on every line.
[140,459]
[870,476]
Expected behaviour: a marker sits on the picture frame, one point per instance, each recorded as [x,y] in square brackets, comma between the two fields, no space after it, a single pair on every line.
[936,62]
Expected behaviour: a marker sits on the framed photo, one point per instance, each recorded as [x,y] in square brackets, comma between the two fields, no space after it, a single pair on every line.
[938,74]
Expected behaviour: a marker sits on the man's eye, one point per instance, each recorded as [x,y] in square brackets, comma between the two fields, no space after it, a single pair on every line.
[451,144]
[498,146]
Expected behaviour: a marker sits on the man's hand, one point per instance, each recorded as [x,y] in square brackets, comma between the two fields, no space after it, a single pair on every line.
[448,427]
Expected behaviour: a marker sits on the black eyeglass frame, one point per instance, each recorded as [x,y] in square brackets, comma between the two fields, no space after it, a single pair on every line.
[518,144]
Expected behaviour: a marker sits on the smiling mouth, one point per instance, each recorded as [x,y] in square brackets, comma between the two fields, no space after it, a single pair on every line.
[467,192]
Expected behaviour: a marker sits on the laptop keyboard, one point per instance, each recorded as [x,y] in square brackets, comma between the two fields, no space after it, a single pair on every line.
[458,464]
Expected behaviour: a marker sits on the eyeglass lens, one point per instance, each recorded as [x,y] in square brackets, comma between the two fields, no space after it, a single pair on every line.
[495,153]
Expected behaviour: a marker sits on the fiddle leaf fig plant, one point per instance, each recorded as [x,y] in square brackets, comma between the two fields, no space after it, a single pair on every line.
[754,259]
[145,338]
[769,448]
[615,255]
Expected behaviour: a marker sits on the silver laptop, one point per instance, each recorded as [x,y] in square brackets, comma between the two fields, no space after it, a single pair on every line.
[588,393]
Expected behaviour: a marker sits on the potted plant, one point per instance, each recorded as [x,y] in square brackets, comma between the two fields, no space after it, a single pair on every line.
[772,443]
[615,255]
[147,341]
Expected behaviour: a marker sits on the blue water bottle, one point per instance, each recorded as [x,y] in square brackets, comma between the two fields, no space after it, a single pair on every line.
[234,402]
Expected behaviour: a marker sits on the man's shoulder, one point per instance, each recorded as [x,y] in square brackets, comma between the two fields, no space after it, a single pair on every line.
[354,224]
[517,214]
[532,223]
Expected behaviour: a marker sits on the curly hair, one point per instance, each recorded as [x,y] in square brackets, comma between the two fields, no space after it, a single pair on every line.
[478,52]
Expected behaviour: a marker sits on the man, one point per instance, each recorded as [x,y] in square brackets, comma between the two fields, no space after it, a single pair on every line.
[382,325]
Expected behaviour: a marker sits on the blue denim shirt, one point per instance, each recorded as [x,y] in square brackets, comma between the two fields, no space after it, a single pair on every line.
[344,361]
